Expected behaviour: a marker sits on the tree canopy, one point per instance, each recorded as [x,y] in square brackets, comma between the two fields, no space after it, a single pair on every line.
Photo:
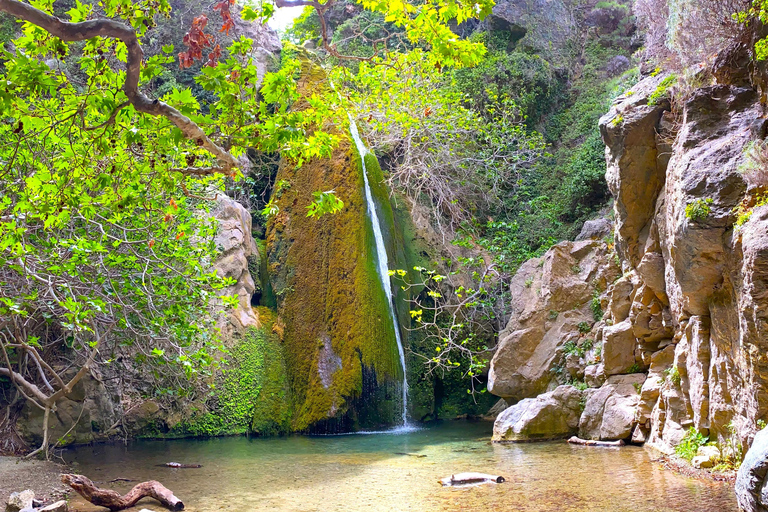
[106,234]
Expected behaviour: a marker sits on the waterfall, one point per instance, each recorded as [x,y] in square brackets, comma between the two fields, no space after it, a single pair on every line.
[381,253]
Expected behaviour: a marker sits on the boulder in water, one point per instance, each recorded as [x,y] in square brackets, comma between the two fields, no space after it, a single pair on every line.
[552,415]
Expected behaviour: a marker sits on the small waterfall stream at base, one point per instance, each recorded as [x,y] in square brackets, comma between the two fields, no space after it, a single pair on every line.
[383,264]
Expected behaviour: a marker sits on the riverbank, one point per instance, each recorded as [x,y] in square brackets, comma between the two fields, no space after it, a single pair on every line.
[18,474]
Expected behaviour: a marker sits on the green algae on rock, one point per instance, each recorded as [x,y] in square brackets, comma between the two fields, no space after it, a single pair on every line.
[253,396]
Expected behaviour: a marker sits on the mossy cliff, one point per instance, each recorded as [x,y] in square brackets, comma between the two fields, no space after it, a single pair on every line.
[252,395]
[341,354]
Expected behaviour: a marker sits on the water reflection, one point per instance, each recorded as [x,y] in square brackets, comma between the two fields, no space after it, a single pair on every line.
[380,472]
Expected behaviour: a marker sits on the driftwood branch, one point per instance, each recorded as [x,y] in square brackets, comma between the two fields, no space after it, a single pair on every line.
[590,442]
[103,27]
[461,479]
[114,501]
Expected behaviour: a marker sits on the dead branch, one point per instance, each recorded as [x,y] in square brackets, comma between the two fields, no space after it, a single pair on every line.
[114,501]
[590,442]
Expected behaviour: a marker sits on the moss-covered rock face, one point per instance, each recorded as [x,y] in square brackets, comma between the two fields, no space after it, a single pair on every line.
[252,395]
[339,337]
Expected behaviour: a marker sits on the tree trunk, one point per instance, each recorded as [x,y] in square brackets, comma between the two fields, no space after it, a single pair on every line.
[44,446]
[114,501]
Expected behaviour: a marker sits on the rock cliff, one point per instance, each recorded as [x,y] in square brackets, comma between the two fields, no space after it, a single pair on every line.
[683,339]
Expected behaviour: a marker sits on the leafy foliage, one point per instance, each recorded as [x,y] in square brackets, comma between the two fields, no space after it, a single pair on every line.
[757,11]
[457,319]
[662,90]
[699,209]
[673,374]
[461,161]
[690,444]
[106,233]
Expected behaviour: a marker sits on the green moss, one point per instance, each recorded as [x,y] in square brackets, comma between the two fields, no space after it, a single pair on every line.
[690,444]
[332,303]
[268,297]
[253,394]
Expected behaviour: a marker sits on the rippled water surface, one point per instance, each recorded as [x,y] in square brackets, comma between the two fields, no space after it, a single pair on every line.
[370,473]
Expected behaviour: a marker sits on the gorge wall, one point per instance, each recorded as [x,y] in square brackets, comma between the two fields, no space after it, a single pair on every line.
[681,343]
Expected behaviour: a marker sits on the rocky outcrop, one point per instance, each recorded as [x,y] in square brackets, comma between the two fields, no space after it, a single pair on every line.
[684,334]
[552,304]
[545,26]
[553,415]
[236,247]
[85,415]
[751,484]
[596,229]
[675,230]
[609,413]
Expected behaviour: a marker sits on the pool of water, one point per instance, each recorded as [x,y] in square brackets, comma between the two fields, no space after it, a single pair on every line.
[398,471]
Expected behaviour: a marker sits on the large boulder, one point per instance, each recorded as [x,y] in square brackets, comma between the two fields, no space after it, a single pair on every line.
[618,348]
[551,303]
[609,413]
[552,415]
[751,483]
[596,229]
[83,416]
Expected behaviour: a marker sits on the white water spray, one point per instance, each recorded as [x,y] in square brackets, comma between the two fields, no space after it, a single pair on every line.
[381,253]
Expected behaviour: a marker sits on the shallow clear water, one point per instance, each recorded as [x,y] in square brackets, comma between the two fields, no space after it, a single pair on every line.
[366,473]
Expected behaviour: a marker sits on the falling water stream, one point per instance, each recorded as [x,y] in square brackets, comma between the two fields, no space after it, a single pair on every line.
[381,254]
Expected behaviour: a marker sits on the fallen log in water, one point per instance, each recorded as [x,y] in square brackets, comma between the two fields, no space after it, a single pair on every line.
[590,442]
[471,479]
[179,465]
[114,501]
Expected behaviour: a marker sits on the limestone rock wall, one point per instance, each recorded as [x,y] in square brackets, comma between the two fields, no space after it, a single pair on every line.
[552,301]
[236,249]
[696,279]
[685,319]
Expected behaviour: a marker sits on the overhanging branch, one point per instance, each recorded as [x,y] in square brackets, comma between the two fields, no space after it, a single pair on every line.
[71,32]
